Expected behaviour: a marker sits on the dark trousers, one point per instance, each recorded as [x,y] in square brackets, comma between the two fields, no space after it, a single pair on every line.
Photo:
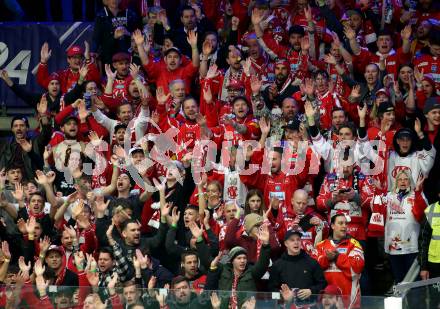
[400,264]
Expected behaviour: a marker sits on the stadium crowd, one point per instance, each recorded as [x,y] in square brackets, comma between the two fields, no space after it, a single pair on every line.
[272,146]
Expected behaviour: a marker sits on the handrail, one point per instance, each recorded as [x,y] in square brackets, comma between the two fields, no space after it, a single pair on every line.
[402,287]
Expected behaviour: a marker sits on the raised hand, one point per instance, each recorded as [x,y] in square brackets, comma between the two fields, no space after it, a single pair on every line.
[309,110]
[93,278]
[406,33]
[134,70]
[45,53]
[21,225]
[41,284]
[30,225]
[47,152]
[25,144]
[83,113]
[305,44]
[286,293]
[175,216]
[79,260]
[247,66]
[110,74]
[255,84]
[166,209]
[308,87]
[216,260]
[206,48]
[356,92]
[192,38]
[18,194]
[23,266]
[264,126]
[308,13]
[249,303]
[349,33]
[362,111]
[138,37]
[39,268]
[330,59]
[263,234]
[201,120]
[257,16]
[44,244]
[419,184]
[418,75]
[114,279]
[42,105]
[212,71]
[195,230]
[161,97]
[215,301]
[143,259]
[159,185]
[235,21]
[207,94]
[100,205]
[5,250]
[83,72]
[95,139]
[418,126]
[336,41]
[71,231]
[152,282]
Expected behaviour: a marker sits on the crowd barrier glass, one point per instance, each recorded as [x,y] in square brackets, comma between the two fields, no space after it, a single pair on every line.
[131,297]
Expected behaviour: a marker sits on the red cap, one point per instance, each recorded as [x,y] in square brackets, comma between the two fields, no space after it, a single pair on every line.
[332,289]
[53,76]
[75,50]
[283,61]
[56,248]
[248,36]
[429,78]
[384,91]
[121,57]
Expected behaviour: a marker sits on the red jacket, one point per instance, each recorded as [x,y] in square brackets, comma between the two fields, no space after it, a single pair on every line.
[67,77]
[392,61]
[159,74]
[298,61]
[345,271]
[429,65]
[234,237]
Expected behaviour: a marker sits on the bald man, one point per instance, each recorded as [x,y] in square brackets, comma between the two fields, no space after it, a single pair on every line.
[313,227]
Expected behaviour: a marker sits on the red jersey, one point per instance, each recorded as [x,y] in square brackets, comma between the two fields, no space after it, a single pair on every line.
[159,74]
[363,185]
[67,77]
[392,61]
[429,65]
[298,61]
[346,270]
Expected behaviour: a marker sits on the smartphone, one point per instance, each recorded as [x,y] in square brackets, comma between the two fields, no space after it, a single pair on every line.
[344,190]
[88,100]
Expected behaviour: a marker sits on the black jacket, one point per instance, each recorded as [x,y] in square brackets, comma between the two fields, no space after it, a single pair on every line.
[300,271]
[104,42]
[179,36]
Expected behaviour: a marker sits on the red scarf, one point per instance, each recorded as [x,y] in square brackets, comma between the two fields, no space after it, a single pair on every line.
[36,216]
[258,248]
[233,302]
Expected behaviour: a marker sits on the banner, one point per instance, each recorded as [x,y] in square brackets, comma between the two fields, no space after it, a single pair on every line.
[20,45]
